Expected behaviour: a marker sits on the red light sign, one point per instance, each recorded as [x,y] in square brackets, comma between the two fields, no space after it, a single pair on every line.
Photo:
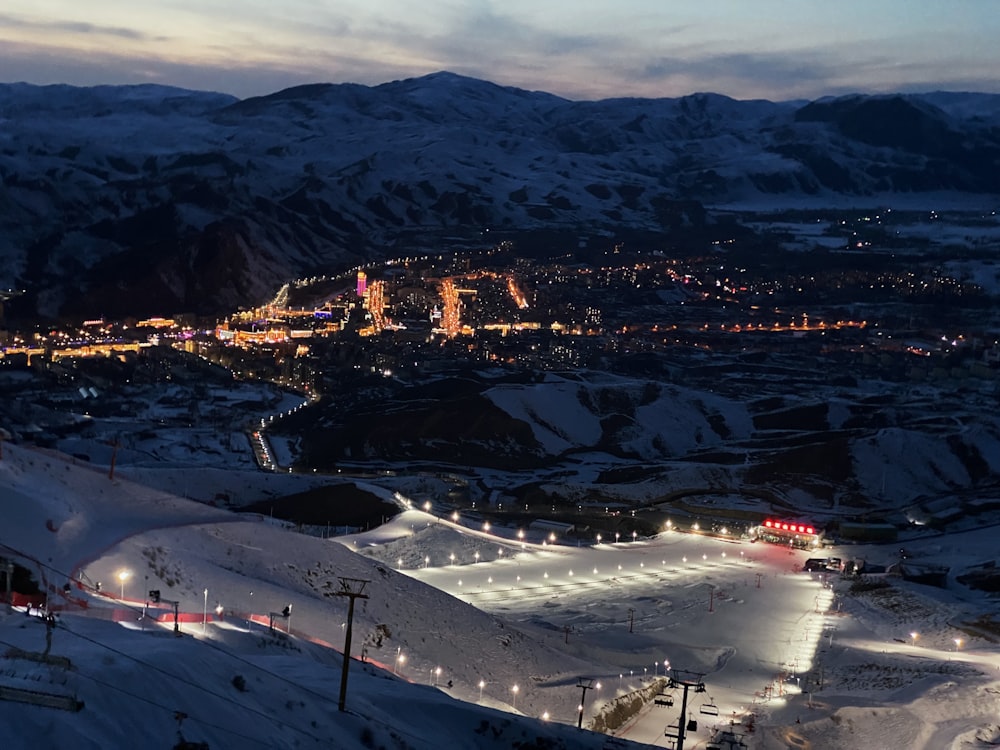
[793,527]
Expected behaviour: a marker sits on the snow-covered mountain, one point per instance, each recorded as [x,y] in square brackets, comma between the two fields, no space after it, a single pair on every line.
[152,197]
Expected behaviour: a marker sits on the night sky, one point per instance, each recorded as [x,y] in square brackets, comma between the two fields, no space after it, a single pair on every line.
[586,49]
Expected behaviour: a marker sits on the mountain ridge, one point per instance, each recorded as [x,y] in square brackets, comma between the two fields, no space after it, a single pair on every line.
[323,176]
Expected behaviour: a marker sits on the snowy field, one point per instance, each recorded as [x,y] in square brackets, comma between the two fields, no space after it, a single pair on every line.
[788,658]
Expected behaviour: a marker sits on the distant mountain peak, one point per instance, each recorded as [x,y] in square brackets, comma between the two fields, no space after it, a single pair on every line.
[323,174]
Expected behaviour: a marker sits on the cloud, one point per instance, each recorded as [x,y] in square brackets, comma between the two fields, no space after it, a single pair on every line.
[740,66]
[645,57]
[74,27]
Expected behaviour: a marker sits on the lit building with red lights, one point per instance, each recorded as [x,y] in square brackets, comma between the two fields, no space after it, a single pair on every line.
[795,533]
[362,283]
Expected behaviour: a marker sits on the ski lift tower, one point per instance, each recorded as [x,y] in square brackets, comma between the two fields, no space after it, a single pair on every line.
[685,680]
[352,588]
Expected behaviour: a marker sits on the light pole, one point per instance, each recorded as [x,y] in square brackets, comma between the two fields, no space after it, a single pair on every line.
[514,691]
[400,658]
[585,684]
[204,617]
[482,684]
[122,577]
[913,637]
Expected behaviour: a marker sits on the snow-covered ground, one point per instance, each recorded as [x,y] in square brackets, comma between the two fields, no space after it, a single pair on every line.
[796,656]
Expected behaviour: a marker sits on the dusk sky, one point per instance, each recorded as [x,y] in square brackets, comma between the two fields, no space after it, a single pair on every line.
[586,49]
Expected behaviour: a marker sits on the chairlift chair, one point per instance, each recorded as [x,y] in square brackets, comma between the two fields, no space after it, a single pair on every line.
[664,699]
[710,709]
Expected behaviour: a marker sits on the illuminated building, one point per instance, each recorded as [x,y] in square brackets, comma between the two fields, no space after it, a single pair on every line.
[362,283]
[796,533]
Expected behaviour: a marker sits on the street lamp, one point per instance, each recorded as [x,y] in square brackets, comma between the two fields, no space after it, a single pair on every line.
[400,659]
[204,616]
[476,555]
[514,691]
[482,684]
[122,577]
[913,637]
[958,643]
[452,558]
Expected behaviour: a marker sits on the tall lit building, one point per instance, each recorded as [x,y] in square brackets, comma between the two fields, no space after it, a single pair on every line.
[362,283]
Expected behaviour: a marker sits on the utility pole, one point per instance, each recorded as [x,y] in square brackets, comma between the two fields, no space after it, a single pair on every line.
[585,683]
[681,678]
[114,455]
[352,588]
[631,618]
[10,586]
